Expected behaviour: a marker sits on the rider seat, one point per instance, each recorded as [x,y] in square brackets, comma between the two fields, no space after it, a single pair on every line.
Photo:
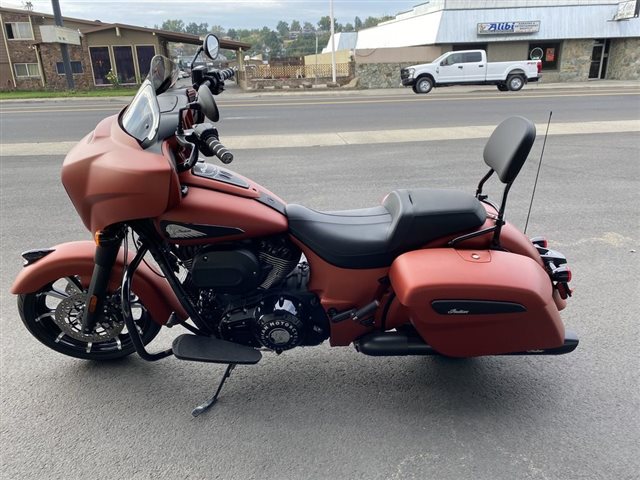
[374,237]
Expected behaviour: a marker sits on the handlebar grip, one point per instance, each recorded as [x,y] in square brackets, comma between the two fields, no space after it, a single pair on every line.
[227,73]
[219,150]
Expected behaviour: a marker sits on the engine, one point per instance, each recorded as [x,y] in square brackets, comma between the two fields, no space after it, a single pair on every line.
[254,293]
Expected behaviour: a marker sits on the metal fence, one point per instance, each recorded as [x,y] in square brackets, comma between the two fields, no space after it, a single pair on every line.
[298,71]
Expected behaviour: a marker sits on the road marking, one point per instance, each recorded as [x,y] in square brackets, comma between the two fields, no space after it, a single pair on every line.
[253,103]
[332,139]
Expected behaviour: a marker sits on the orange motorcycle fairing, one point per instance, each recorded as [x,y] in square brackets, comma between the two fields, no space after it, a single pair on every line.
[110,178]
[468,303]
[77,258]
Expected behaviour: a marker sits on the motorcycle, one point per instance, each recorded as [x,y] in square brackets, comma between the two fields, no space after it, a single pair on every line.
[183,242]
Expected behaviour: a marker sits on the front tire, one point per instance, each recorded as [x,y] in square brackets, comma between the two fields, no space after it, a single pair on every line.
[423,85]
[53,315]
[515,83]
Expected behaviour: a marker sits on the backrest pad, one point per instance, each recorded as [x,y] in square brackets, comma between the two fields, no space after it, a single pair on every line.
[508,147]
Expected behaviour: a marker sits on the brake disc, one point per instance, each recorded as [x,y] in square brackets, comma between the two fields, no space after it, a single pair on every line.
[68,318]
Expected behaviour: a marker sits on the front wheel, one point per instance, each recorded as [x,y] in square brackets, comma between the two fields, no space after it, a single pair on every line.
[53,315]
[423,85]
[515,83]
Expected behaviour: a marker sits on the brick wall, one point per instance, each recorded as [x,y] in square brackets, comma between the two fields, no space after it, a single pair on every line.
[50,54]
[21,51]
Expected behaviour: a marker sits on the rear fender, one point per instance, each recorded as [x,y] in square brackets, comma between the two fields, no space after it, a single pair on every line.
[77,258]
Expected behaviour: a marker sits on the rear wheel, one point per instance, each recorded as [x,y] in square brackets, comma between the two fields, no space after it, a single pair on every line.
[53,315]
[423,85]
[515,82]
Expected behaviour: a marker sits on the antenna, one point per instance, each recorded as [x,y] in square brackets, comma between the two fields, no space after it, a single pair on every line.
[538,173]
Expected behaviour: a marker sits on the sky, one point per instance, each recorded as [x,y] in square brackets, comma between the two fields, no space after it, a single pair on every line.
[228,14]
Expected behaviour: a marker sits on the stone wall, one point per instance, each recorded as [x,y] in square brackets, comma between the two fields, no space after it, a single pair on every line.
[380,75]
[624,59]
[575,60]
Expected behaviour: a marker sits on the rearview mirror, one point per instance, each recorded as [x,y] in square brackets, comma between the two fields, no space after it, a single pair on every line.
[211,46]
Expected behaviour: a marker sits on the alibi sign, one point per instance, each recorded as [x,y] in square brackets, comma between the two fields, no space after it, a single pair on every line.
[55,34]
[501,28]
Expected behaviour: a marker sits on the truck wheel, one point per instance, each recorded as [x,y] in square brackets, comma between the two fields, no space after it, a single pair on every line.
[502,87]
[423,85]
[515,83]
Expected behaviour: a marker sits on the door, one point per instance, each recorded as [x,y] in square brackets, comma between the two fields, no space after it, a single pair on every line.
[451,69]
[599,59]
[475,70]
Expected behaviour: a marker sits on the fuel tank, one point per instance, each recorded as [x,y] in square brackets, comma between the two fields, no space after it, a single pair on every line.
[111,179]
[219,206]
[467,303]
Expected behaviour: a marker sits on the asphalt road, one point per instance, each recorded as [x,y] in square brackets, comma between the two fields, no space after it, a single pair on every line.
[277,115]
[333,413]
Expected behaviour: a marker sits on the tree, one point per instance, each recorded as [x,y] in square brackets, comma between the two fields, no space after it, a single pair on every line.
[308,27]
[295,26]
[197,28]
[357,23]
[370,22]
[218,30]
[173,25]
[232,34]
[283,28]
[324,23]
[348,28]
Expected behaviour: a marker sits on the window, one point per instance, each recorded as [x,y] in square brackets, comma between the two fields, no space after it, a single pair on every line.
[18,31]
[472,57]
[144,53]
[550,54]
[76,68]
[26,69]
[453,59]
[101,64]
[124,64]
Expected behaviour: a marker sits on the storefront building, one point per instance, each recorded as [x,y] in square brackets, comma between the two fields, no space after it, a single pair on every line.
[30,57]
[577,40]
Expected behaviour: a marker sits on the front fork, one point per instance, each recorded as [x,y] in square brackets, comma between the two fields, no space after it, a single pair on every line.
[108,245]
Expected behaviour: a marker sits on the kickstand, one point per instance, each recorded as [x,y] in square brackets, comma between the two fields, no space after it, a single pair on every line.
[211,402]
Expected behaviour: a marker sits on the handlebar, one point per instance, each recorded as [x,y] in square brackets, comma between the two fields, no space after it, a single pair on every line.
[207,134]
[226,74]
[219,150]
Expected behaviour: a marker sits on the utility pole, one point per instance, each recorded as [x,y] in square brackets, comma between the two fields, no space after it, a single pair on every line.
[333,43]
[63,46]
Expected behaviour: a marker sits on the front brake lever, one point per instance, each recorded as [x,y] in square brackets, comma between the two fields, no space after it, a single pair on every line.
[193,156]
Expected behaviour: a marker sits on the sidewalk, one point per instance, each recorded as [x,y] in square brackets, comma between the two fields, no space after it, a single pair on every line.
[234,93]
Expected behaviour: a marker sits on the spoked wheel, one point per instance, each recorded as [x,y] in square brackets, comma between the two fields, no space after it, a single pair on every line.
[53,315]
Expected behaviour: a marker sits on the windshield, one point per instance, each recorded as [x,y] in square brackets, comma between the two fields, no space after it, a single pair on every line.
[141,118]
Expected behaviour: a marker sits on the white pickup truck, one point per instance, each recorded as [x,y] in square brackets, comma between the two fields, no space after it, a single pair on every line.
[470,67]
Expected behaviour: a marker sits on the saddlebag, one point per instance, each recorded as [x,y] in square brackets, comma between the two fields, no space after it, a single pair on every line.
[477,302]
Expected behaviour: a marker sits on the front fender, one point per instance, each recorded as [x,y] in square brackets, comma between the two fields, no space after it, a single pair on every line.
[77,258]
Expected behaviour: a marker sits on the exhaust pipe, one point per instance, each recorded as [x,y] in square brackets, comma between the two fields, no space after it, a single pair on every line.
[390,344]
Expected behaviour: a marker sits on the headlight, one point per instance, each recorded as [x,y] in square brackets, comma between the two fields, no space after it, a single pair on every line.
[411,71]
